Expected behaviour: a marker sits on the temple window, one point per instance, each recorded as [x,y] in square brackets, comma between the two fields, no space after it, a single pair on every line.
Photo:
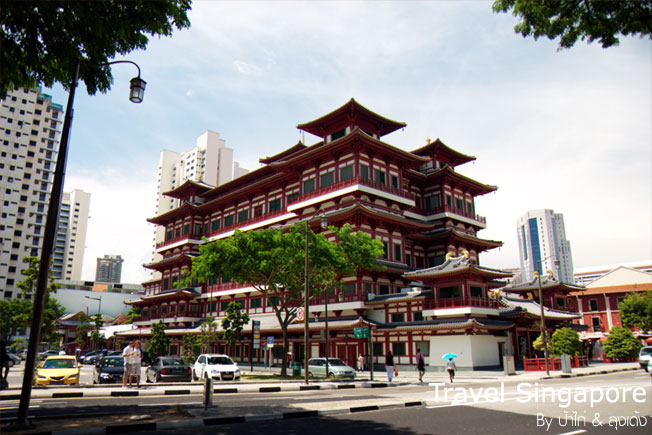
[433,202]
[326,180]
[379,176]
[292,197]
[449,292]
[243,216]
[275,205]
[256,303]
[593,305]
[561,302]
[395,181]
[449,200]
[383,289]
[224,306]
[198,230]
[397,252]
[476,292]
[398,317]
[346,173]
[459,203]
[417,316]
[398,349]
[169,234]
[435,260]
[309,186]
[258,211]
[186,229]
[348,289]
[364,172]
[228,221]
[215,225]
[182,308]
[338,134]
[469,207]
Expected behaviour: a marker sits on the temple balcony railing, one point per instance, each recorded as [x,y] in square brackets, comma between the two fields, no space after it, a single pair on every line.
[448,209]
[359,181]
[460,302]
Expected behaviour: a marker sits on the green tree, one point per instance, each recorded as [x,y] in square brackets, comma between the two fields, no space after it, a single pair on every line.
[132,313]
[636,311]
[272,261]
[570,20]
[82,329]
[566,341]
[538,344]
[43,40]
[14,315]
[158,344]
[233,323]
[97,338]
[209,333]
[52,309]
[621,343]
[191,347]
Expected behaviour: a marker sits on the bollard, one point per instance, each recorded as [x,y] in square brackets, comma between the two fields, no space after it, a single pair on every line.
[208,392]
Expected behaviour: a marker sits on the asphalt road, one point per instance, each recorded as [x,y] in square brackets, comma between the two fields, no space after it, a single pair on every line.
[560,406]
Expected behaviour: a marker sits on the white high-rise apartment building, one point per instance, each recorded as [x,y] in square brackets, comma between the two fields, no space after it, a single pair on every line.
[542,238]
[30,127]
[210,162]
[68,256]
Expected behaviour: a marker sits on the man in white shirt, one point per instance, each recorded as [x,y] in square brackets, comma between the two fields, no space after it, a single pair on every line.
[128,353]
[137,358]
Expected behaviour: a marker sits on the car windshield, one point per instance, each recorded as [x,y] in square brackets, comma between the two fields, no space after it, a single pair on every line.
[59,364]
[173,362]
[113,362]
[646,351]
[336,362]
[219,360]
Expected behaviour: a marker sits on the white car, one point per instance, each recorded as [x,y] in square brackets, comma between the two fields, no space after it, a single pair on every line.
[215,366]
[336,368]
[645,357]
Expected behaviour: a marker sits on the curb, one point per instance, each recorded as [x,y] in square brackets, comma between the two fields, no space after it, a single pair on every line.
[219,421]
[601,372]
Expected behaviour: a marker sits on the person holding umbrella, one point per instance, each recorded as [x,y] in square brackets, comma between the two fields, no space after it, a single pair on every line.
[450,365]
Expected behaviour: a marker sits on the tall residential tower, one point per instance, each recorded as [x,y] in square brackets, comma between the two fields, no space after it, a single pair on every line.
[30,126]
[542,241]
[109,268]
[70,243]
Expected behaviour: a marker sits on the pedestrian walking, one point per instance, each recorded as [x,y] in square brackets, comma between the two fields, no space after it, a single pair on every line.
[389,365]
[137,361]
[421,365]
[128,354]
[4,364]
[360,363]
[451,367]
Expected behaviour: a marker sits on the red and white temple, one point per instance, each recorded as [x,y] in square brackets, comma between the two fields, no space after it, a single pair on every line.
[432,294]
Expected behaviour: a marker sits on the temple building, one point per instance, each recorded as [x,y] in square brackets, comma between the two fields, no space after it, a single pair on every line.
[431,294]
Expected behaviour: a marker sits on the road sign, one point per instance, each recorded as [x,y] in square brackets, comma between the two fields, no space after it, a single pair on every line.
[270,342]
[361,332]
[256,331]
[300,314]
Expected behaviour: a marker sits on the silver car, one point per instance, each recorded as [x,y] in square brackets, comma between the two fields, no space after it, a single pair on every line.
[336,368]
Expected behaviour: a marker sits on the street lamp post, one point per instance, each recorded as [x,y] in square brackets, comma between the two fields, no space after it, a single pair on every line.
[544,340]
[137,89]
[306,304]
[99,306]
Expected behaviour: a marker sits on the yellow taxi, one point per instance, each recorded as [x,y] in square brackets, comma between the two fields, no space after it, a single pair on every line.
[58,370]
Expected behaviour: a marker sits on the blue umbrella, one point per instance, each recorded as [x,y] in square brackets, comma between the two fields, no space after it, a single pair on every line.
[449,356]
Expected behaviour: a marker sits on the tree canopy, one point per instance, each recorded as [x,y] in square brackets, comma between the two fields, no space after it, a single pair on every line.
[43,40]
[565,341]
[158,344]
[570,20]
[636,310]
[272,261]
[621,343]
[233,322]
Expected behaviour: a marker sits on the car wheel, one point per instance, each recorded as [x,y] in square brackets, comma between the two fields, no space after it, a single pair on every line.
[331,375]
[194,375]
[310,374]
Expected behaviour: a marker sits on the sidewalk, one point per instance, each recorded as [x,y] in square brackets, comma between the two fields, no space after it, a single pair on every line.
[219,415]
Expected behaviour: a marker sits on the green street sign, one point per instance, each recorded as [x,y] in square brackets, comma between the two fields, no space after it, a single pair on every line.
[361,332]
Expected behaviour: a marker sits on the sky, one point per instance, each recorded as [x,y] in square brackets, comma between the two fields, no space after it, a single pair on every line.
[564,130]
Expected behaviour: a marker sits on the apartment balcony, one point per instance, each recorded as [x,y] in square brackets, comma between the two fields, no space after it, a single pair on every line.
[350,185]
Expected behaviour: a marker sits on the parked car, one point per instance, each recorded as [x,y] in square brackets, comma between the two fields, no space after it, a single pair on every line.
[13,359]
[94,357]
[48,353]
[58,370]
[215,366]
[168,368]
[109,369]
[336,368]
[645,356]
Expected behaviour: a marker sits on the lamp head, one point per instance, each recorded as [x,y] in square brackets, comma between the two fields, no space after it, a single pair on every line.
[137,89]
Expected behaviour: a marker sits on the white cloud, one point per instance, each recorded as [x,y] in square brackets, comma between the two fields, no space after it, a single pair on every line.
[248,69]
[120,205]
